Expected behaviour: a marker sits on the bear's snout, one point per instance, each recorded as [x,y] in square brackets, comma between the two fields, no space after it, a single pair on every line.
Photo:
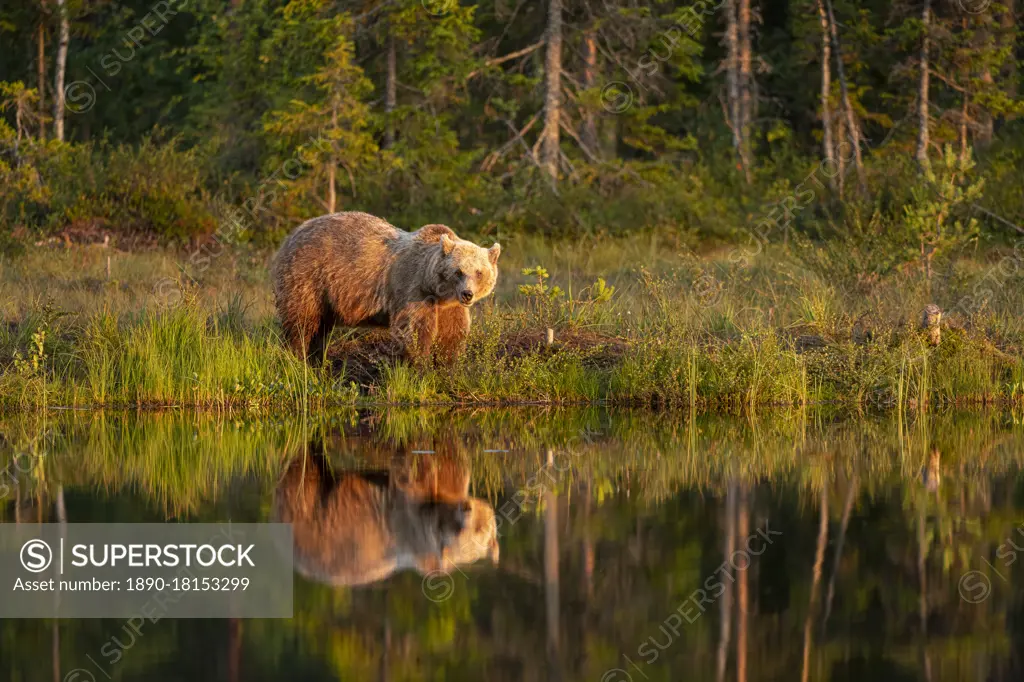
[466,296]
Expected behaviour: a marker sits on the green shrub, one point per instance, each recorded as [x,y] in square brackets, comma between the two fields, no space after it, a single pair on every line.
[153,188]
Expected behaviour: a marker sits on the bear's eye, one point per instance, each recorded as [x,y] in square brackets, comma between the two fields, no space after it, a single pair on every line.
[460,273]
[479,274]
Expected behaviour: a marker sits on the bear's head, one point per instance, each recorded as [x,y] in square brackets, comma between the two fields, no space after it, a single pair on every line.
[468,272]
[479,537]
[465,530]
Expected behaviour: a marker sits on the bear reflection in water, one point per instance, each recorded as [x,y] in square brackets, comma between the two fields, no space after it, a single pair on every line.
[353,528]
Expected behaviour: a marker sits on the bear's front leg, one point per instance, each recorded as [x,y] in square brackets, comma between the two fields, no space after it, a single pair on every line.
[415,327]
[452,329]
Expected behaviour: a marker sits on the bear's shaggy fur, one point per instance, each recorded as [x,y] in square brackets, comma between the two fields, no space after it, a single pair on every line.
[355,269]
[357,528]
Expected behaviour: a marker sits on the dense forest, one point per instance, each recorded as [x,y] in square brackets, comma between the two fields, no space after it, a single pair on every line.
[179,120]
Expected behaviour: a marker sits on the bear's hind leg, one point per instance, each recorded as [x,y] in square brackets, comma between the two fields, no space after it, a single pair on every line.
[317,352]
[452,330]
[297,335]
[300,326]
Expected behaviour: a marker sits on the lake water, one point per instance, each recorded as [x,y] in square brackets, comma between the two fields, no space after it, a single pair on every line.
[633,545]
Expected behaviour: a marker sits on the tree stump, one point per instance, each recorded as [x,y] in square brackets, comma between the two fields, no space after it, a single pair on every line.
[931,319]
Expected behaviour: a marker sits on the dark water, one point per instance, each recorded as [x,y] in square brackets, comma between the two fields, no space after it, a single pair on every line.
[633,546]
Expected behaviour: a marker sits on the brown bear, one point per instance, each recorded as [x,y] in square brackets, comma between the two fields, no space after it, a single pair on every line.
[358,270]
[354,528]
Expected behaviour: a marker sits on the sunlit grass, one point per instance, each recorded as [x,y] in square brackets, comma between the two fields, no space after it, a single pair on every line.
[684,331]
[177,357]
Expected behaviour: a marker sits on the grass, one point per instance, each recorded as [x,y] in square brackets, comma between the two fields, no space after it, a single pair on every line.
[633,324]
[179,357]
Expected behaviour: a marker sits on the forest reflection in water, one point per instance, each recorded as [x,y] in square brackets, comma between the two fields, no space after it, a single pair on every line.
[620,545]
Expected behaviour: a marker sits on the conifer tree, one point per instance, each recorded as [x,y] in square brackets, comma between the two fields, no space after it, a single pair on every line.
[328,120]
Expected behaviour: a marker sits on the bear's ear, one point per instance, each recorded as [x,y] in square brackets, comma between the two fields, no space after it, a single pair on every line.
[447,244]
[493,253]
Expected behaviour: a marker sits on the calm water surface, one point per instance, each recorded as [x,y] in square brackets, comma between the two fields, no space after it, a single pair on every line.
[633,546]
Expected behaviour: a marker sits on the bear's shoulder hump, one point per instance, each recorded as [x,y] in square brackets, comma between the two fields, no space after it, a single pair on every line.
[432,234]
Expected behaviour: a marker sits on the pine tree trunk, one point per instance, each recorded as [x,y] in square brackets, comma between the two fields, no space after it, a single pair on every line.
[332,192]
[837,557]
[588,547]
[725,601]
[732,78]
[819,560]
[922,572]
[746,79]
[986,124]
[840,159]
[551,572]
[18,111]
[963,128]
[1007,74]
[549,150]
[1009,22]
[742,589]
[62,58]
[589,132]
[41,75]
[391,92]
[826,92]
[332,168]
[851,120]
[922,90]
